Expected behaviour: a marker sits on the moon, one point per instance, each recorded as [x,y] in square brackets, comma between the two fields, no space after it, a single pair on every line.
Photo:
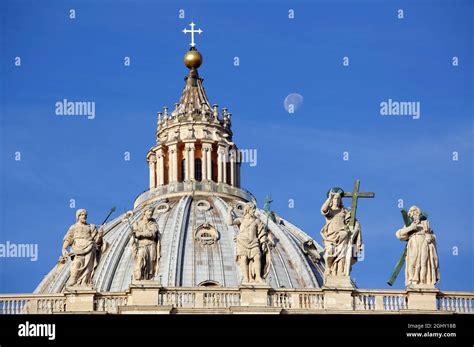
[293,102]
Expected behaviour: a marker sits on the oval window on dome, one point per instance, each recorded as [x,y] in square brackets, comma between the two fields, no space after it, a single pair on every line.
[203,205]
[162,208]
[209,283]
[206,235]
[239,208]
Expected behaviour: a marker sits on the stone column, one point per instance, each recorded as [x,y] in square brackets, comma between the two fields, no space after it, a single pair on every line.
[190,161]
[160,167]
[238,174]
[186,164]
[206,161]
[152,167]
[170,165]
[209,163]
[173,168]
[222,164]
[232,167]
[220,160]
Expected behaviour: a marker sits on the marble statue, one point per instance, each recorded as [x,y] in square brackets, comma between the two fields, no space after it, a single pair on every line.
[422,265]
[86,247]
[146,247]
[342,242]
[253,245]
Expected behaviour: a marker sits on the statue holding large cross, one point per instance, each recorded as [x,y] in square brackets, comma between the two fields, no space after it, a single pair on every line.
[420,255]
[341,234]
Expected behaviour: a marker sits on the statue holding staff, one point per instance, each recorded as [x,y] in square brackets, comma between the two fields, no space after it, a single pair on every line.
[86,248]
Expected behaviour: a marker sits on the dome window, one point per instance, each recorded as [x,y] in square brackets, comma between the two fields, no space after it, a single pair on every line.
[239,208]
[209,283]
[206,235]
[162,208]
[203,205]
[198,169]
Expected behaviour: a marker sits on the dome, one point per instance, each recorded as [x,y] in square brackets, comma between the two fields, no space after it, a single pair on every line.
[191,257]
[194,170]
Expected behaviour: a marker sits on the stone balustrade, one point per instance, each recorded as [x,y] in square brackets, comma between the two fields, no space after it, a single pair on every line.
[32,303]
[177,298]
[459,302]
[228,300]
[199,298]
[380,300]
[110,302]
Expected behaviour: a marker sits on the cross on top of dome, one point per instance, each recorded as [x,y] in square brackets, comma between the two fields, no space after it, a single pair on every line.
[192,32]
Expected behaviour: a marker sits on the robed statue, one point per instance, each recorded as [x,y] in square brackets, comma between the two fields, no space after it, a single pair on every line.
[146,241]
[342,242]
[86,248]
[253,244]
[422,265]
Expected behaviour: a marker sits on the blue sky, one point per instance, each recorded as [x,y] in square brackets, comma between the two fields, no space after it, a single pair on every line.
[300,155]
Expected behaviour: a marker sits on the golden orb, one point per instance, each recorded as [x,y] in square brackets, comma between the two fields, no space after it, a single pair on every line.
[193,59]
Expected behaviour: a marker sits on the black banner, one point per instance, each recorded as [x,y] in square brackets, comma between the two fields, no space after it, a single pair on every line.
[357,329]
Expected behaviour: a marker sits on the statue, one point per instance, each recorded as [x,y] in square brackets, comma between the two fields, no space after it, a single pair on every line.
[253,252]
[342,241]
[86,247]
[146,247]
[422,265]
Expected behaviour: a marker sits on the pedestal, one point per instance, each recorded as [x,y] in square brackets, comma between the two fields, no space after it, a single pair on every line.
[338,299]
[144,292]
[254,294]
[422,298]
[338,282]
[338,293]
[79,299]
